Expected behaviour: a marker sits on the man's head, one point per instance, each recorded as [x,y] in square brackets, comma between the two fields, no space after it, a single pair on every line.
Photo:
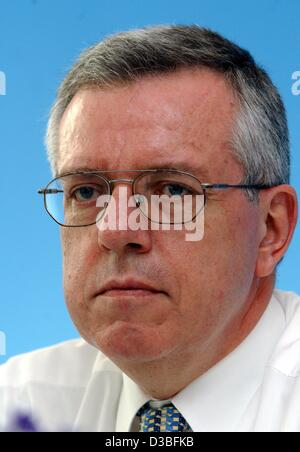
[183,98]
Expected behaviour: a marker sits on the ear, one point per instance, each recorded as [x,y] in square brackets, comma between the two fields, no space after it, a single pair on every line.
[279,212]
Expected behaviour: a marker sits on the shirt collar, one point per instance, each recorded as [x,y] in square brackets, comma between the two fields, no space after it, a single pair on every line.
[217,400]
[131,400]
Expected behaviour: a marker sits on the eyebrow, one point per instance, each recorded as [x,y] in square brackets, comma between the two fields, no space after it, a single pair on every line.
[197,171]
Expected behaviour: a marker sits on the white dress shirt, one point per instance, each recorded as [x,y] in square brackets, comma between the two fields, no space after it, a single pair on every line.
[255,389]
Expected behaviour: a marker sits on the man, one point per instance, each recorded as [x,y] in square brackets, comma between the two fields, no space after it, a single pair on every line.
[177,334]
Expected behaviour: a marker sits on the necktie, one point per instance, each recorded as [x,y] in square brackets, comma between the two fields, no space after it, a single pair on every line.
[164,419]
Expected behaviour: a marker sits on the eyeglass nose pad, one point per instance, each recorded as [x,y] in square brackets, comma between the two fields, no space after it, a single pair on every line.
[138,200]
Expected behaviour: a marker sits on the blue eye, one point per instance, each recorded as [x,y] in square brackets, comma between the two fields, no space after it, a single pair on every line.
[85,193]
[177,190]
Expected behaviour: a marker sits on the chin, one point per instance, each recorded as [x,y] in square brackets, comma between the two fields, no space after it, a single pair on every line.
[126,341]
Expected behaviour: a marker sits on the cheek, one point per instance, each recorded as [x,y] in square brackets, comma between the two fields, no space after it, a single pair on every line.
[79,253]
[243,229]
[217,271]
[232,248]
[78,262]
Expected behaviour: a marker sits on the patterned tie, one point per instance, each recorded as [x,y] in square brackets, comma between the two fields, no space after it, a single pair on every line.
[164,419]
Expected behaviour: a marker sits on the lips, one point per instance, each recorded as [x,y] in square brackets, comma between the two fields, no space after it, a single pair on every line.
[128,287]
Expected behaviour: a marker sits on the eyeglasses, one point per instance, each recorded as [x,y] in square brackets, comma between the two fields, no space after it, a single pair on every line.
[72,200]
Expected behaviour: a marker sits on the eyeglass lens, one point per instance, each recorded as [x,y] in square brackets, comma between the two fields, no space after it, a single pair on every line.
[164,197]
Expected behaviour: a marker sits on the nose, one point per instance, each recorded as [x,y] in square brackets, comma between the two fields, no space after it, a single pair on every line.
[123,226]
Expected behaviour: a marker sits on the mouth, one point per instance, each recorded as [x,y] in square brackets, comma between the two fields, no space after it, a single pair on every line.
[129,293]
[129,288]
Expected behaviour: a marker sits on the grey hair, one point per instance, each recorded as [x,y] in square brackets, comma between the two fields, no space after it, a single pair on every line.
[260,136]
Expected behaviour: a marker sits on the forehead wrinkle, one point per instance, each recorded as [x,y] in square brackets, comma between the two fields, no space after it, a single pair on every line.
[197,171]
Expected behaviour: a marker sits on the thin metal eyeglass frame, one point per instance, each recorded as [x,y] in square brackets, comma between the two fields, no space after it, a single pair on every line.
[111,182]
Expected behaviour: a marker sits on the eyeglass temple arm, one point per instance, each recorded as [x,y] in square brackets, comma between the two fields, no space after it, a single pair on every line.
[49,191]
[52,191]
[243,186]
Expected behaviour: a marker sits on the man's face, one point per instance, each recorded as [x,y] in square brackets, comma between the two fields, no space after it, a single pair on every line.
[181,120]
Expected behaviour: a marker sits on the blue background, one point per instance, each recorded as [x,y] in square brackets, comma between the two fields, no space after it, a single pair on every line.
[39,40]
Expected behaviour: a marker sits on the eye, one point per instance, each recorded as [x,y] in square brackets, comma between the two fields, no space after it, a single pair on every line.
[86,193]
[175,190]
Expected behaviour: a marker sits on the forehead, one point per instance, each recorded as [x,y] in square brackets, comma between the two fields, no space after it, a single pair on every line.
[180,119]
